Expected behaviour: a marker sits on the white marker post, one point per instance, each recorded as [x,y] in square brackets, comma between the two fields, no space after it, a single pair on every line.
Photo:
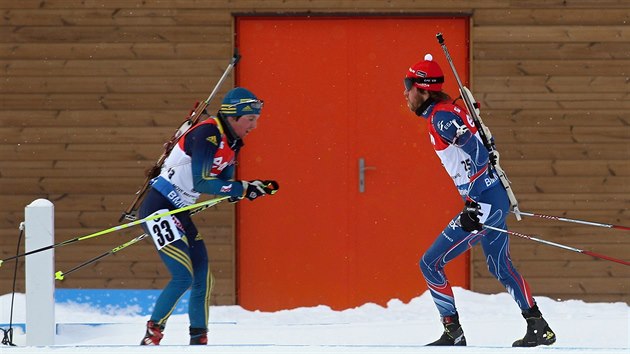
[40,274]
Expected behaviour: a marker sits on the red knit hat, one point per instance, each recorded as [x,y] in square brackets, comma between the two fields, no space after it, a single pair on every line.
[425,74]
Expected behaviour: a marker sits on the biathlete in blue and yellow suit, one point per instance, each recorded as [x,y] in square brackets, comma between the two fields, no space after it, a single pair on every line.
[465,158]
[202,161]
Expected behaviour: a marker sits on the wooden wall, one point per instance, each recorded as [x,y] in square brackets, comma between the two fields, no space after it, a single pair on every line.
[90,90]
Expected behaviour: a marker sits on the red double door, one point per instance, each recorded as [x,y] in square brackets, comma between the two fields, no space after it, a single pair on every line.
[362,193]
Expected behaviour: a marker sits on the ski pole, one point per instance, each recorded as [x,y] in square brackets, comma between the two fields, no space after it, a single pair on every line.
[576,221]
[117,228]
[59,275]
[568,248]
[130,212]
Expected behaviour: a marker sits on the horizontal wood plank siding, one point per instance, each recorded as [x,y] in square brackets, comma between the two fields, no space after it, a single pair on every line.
[91,89]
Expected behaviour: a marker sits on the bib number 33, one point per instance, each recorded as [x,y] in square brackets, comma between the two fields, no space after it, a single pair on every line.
[165,230]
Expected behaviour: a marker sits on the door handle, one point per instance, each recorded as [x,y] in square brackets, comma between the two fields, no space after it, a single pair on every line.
[362,169]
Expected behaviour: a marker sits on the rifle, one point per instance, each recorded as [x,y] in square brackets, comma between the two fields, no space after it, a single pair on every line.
[486,136]
[190,121]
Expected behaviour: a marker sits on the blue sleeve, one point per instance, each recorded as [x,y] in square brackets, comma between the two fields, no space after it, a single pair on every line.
[227,173]
[478,167]
[202,148]
[446,124]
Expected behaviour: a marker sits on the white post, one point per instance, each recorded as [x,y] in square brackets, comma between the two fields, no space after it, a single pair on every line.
[39,269]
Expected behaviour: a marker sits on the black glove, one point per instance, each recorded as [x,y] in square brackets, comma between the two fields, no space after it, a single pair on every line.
[268,187]
[469,218]
[258,188]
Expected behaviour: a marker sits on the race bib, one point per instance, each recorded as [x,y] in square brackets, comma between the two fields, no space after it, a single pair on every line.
[164,230]
[485,210]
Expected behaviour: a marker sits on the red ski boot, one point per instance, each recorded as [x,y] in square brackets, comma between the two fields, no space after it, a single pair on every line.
[154,335]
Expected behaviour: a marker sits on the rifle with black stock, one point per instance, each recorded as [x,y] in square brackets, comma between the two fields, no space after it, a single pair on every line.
[486,136]
[190,121]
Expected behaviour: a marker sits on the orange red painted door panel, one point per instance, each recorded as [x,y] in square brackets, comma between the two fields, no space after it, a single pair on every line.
[333,95]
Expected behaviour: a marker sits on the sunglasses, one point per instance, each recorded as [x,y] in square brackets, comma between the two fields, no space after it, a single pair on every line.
[409,81]
[255,104]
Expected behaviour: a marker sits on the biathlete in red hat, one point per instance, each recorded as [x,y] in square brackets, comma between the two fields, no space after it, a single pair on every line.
[463,155]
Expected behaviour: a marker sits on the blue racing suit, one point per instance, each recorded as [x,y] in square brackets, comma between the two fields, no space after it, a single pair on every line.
[463,155]
[201,162]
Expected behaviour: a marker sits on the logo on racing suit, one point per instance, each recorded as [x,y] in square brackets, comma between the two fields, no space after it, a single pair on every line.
[445,125]
[212,139]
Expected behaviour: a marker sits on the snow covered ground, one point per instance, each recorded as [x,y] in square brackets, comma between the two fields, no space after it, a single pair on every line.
[491,323]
